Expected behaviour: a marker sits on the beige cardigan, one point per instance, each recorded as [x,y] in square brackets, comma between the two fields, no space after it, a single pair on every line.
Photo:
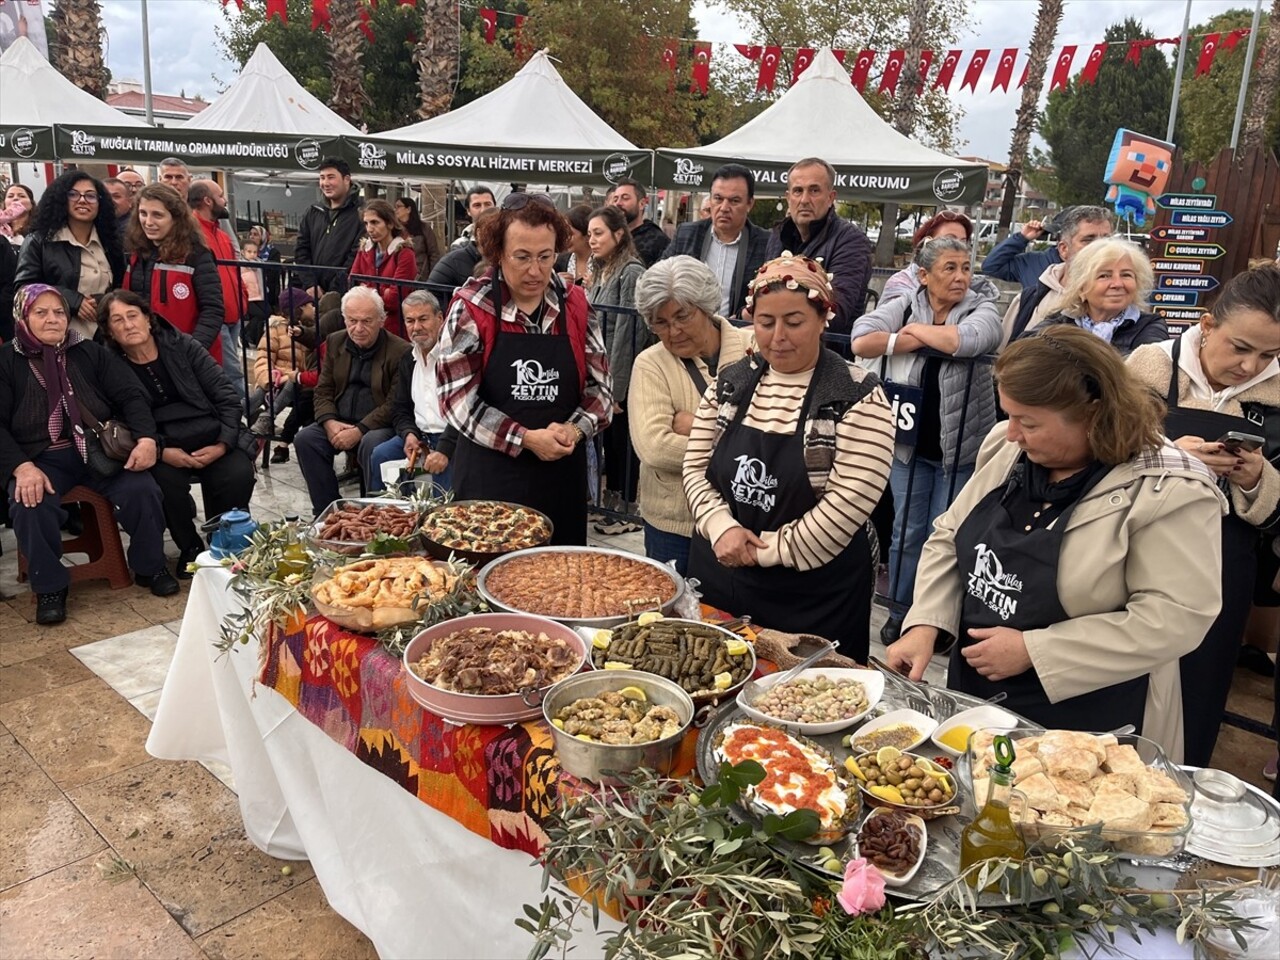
[661,388]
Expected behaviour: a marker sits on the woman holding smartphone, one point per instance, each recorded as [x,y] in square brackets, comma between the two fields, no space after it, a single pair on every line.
[1221,382]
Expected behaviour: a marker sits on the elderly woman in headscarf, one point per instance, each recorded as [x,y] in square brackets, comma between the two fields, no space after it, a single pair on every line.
[53,385]
[787,456]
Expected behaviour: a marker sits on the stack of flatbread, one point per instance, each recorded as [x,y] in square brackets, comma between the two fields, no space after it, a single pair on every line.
[1071,779]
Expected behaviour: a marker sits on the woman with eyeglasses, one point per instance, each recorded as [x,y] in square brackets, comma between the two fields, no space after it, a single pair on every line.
[523,372]
[906,281]
[73,245]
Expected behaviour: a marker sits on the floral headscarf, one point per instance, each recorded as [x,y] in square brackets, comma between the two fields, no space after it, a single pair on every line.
[791,272]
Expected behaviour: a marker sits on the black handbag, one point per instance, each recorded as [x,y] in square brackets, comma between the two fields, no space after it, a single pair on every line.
[110,441]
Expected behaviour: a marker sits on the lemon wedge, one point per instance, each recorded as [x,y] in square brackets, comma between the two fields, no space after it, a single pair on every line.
[851,765]
[889,792]
[633,693]
[557,722]
[735,648]
[723,681]
[617,665]
[647,618]
[886,755]
[602,639]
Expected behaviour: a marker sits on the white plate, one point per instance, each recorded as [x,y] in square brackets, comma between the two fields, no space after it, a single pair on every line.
[913,822]
[871,680]
[926,725]
[1262,855]
[985,717]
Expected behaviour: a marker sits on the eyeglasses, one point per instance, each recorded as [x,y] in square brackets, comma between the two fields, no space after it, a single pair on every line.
[518,201]
[133,187]
[525,260]
[75,196]
[681,320]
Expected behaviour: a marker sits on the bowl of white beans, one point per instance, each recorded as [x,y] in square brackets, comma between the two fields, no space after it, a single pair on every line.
[819,700]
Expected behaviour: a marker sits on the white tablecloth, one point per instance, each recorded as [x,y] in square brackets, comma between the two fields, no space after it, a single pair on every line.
[413,880]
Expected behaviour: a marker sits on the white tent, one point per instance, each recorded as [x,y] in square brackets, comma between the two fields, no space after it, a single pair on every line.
[266,99]
[823,115]
[34,94]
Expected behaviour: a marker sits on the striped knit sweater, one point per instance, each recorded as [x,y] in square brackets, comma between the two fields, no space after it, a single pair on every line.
[848,447]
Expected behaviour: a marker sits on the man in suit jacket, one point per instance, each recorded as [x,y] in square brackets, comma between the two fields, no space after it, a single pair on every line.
[728,242]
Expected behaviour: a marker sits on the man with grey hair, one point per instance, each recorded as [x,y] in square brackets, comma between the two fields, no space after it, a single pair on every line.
[174,173]
[421,429]
[353,397]
[815,229]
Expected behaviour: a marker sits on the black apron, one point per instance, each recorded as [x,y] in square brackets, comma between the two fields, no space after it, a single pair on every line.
[1011,580]
[1208,670]
[762,477]
[533,379]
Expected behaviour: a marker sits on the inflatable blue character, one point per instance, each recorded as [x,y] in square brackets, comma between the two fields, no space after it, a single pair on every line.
[1137,172]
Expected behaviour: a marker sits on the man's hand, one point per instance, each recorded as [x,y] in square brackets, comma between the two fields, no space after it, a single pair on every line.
[143,456]
[737,547]
[332,428]
[911,652]
[436,462]
[348,438]
[1001,652]
[1033,229]
[411,446]
[179,459]
[207,455]
[547,444]
[30,484]
[682,423]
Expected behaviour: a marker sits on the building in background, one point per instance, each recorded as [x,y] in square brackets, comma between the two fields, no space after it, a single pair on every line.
[167,110]
[1031,205]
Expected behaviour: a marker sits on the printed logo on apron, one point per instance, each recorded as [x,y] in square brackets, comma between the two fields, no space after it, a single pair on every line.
[753,485]
[534,384]
[990,585]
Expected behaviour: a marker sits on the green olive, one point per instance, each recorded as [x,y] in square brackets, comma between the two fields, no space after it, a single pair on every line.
[894,777]
[912,784]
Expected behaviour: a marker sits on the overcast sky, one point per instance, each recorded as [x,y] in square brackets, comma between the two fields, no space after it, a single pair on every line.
[185,55]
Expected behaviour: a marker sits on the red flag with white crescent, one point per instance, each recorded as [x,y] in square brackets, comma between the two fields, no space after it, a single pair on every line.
[365,26]
[670,57]
[750,51]
[1062,70]
[320,15]
[976,65]
[839,55]
[804,57]
[861,67]
[490,18]
[768,68]
[926,61]
[1136,47]
[947,70]
[1004,72]
[701,68]
[892,70]
[1090,72]
[1235,36]
[278,8]
[1208,50]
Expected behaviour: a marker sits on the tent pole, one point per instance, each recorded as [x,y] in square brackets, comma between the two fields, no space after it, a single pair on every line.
[450,221]
[146,66]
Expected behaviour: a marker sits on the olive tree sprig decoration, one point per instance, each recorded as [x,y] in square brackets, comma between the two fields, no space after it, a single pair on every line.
[271,587]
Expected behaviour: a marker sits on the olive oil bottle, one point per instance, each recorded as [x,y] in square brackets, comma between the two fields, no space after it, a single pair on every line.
[992,834]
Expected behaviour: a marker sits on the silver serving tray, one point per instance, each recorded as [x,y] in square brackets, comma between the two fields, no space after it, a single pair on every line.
[601,623]
[353,548]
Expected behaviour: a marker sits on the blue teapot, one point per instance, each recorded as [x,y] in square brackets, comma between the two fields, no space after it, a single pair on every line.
[232,534]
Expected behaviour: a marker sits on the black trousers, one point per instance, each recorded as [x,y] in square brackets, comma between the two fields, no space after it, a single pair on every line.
[301,414]
[621,465]
[226,483]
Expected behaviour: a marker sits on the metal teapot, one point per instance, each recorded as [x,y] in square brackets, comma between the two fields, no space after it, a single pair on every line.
[234,528]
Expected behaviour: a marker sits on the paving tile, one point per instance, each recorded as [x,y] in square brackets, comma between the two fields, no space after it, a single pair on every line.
[1244,754]
[147,703]
[158,610]
[132,663]
[181,828]
[106,619]
[27,641]
[40,829]
[80,732]
[30,677]
[222,772]
[72,913]
[299,923]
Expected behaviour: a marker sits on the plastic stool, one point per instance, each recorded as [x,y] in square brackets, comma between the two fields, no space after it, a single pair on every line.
[100,541]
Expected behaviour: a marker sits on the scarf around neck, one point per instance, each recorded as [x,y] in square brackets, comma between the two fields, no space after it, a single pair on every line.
[49,367]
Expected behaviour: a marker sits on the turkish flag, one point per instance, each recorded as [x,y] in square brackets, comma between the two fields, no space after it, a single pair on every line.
[1004,72]
[1235,36]
[278,8]
[239,5]
[670,56]
[701,68]
[1136,47]
[520,50]
[768,68]
[892,70]
[490,18]
[926,61]
[839,55]
[1062,69]
[364,26]
[750,51]
[1090,72]
[320,15]
[976,65]
[1208,50]
[947,70]
[804,57]
[861,67]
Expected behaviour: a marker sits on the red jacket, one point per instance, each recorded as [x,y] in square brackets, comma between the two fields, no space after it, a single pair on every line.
[234,300]
[398,264]
[185,294]
[576,307]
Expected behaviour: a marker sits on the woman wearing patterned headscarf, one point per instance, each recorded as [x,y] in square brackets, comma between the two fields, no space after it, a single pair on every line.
[787,456]
[53,384]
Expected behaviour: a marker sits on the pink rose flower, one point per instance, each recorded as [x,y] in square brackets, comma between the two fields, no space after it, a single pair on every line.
[863,889]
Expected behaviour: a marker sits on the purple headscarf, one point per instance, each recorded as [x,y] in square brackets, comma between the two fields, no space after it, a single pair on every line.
[49,364]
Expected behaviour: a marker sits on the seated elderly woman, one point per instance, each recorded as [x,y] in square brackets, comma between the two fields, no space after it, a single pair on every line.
[678,299]
[1072,567]
[53,386]
[944,407]
[1106,291]
[197,414]
[786,458]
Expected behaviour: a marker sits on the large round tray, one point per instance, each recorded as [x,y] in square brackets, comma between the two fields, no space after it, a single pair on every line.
[366,619]
[479,558]
[354,548]
[597,622]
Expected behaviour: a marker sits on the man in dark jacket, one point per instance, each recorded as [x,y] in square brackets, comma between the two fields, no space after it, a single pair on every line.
[815,229]
[453,270]
[629,196]
[329,231]
[354,396]
[1010,260]
[727,242]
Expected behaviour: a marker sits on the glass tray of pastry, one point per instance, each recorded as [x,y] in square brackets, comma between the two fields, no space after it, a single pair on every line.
[381,592]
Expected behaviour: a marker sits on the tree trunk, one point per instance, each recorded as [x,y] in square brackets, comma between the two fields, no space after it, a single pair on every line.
[77,48]
[1265,80]
[1046,30]
[904,117]
[346,59]
[436,57]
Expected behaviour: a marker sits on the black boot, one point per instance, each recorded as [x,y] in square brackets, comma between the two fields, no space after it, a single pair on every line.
[891,630]
[162,584]
[51,608]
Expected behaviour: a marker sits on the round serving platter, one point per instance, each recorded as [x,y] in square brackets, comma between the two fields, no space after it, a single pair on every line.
[1209,844]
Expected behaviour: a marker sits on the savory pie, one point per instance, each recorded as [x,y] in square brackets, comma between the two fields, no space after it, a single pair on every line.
[383,592]
[574,584]
[486,526]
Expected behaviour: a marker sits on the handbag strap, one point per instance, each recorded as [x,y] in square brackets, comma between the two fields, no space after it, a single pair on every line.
[695,375]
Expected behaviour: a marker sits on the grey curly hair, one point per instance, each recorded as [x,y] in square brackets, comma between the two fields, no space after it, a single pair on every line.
[684,279]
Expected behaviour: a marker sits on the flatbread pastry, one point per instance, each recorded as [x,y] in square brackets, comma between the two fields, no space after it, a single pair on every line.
[1117,810]
[1070,763]
[1123,758]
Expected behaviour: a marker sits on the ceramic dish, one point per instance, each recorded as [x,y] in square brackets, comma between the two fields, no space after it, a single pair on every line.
[479,557]
[912,823]
[976,718]
[922,724]
[873,687]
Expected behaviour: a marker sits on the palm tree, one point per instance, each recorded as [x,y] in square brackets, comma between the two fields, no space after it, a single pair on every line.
[77,47]
[1264,83]
[1046,30]
[346,60]
[436,56]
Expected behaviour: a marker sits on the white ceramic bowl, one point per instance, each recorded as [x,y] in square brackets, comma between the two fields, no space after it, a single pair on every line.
[914,823]
[925,724]
[871,680]
[985,717]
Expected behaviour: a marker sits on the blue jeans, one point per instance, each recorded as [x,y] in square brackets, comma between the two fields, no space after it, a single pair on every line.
[928,501]
[665,547]
[393,449]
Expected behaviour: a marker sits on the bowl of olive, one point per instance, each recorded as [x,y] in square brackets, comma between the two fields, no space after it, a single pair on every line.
[904,781]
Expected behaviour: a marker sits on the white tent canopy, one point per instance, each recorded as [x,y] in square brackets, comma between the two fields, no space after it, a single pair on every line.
[34,94]
[266,99]
[823,115]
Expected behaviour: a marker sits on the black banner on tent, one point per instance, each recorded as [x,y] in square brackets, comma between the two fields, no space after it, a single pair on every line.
[26,143]
[199,148]
[931,186]
[372,157]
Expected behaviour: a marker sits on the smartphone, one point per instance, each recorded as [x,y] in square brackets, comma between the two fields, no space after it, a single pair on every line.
[1234,441]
